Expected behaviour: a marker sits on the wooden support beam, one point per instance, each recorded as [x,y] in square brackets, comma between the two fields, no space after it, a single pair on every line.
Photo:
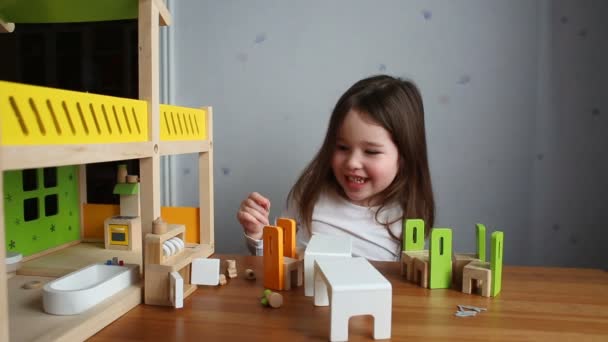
[205,191]
[164,18]
[149,85]
[19,157]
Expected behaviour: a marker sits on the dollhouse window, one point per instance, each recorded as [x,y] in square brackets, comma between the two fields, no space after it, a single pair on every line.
[31,206]
[30,209]
[30,179]
[50,177]
[51,206]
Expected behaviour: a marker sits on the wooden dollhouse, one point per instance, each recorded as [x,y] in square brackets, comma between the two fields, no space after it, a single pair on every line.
[46,130]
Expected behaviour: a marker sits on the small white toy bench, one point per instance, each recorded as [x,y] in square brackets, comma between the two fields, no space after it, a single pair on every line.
[325,247]
[352,287]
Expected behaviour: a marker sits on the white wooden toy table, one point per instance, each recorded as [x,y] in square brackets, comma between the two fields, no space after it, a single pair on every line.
[326,247]
[353,287]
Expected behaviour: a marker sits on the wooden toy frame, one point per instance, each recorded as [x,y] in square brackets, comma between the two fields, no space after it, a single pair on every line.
[32,136]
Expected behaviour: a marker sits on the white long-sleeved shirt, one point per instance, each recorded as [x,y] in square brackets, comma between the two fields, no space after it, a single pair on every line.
[334,215]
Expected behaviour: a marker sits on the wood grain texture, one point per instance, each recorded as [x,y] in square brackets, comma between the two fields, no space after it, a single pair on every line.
[28,321]
[205,188]
[29,157]
[536,304]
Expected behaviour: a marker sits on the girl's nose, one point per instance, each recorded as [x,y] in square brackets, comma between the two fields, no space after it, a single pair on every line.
[353,162]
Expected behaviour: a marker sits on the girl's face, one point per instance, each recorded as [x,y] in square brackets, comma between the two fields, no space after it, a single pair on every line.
[365,160]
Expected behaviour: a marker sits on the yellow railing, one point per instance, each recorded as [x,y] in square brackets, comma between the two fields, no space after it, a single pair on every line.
[182,123]
[33,115]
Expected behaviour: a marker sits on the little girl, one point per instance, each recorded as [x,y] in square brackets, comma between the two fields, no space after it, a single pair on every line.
[370,174]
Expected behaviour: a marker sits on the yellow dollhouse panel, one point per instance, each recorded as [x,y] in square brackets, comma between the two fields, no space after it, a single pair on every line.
[33,115]
[182,123]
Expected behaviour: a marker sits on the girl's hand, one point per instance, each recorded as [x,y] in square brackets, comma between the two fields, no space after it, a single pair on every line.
[253,215]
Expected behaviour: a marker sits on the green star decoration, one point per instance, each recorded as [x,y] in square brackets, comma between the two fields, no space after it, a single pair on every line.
[12,244]
[52,228]
[9,197]
[34,238]
[17,221]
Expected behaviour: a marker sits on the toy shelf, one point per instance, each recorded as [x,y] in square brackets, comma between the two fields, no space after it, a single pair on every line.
[158,266]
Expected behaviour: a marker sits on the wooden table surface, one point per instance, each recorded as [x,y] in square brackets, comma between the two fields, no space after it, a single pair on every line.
[536,304]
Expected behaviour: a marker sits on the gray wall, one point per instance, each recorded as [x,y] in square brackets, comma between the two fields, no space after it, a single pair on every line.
[514,91]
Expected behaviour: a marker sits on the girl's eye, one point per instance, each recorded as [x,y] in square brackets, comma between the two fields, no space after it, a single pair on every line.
[372,152]
[342,147]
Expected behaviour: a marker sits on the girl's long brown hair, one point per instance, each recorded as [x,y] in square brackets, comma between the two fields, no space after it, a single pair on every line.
[396,105]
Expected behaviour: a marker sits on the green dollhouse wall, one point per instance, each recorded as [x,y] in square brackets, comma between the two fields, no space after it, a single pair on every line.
[41,208]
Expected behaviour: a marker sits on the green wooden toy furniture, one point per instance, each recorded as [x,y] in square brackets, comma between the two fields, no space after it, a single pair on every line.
[413,246]
[487,275]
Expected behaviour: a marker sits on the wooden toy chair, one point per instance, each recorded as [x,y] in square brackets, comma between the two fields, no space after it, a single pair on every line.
[280,259]
[488,276]
[460,260]
[413,247]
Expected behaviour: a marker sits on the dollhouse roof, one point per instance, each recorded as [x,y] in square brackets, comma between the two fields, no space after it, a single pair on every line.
[66,11]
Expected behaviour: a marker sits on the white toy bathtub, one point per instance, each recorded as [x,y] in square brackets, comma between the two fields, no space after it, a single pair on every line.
[80,290]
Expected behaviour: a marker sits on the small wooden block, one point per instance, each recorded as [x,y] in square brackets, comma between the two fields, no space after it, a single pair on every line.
[159,226]
[176,290]
[275,300]
[205,271]
[222,279]
[231,268]
[132,179]
[249,274]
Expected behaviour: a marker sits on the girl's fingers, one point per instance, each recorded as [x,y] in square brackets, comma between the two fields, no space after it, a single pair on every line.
[260,216]
[253,213]
[250,223]
[250,205]
[260,200]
